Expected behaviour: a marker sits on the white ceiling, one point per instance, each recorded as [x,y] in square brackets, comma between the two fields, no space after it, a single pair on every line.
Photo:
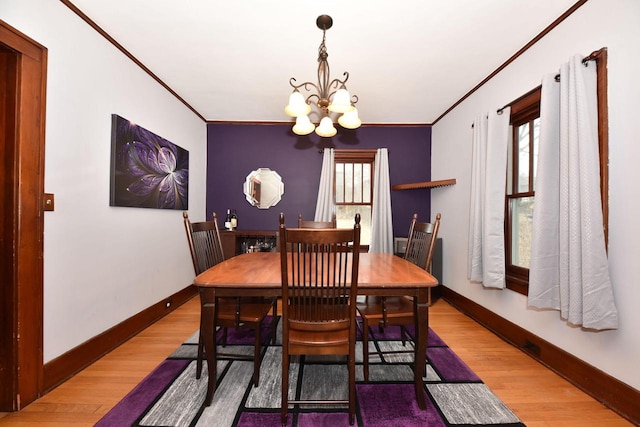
[408,60]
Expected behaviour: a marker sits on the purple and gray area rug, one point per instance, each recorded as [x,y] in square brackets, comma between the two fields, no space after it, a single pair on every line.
[171,395]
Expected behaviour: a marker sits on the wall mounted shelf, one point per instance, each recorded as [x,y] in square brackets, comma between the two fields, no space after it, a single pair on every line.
[424,184]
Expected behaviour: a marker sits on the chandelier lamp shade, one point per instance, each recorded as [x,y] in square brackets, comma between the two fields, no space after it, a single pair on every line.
[329,96]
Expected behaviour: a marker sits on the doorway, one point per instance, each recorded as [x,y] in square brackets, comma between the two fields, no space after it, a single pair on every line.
[23,64]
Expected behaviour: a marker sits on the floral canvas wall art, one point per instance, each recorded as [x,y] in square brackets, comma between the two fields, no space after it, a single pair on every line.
[147,171]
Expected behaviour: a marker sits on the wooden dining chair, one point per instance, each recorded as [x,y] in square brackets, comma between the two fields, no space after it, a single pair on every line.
[316,224]
[400,310]
[319,287]
[240,312]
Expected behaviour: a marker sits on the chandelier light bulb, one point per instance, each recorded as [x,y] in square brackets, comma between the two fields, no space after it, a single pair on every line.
[341,102]
[350,119]
[297,105]
[303,125]
[326,128]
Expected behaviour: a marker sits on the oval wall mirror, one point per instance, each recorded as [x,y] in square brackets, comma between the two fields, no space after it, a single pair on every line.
[263,188]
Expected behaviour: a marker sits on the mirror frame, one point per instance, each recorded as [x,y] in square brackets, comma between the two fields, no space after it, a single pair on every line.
[263,188]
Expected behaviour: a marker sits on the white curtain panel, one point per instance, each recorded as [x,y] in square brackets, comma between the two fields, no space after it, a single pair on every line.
[381,219]
[544,268]
[476,208]
[486,262]
[567,217]
[324,204]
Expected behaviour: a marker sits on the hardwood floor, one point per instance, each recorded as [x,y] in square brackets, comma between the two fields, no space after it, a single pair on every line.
[538,396]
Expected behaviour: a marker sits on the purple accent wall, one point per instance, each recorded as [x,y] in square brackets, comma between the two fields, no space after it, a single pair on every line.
[234,150]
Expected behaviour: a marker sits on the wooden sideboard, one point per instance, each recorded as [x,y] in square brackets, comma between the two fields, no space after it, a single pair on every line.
[237,242]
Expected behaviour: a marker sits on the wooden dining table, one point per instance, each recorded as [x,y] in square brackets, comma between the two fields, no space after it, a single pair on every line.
[258,274]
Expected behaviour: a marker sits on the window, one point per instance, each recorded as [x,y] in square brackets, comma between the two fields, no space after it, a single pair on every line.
[353,184]
[522,165]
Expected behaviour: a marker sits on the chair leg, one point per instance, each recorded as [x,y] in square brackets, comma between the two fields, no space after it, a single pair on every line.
[199,357]
[257,357]
[365,348]
[352,388]
[284,403]
[224,337]
[273,323]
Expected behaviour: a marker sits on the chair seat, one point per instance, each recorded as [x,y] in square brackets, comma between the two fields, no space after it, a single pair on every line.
[314,335]
[309,342]
[395,306]
[252,310]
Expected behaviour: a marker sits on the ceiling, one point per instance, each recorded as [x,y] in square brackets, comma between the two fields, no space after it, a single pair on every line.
[409,60]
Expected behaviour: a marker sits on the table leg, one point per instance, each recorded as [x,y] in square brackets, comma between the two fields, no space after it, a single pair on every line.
[207,324]
[422,332]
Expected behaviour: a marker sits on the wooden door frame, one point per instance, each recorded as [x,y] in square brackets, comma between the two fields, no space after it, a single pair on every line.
[22,226]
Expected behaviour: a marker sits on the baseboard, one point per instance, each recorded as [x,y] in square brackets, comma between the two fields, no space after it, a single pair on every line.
[68,364]
[613,393]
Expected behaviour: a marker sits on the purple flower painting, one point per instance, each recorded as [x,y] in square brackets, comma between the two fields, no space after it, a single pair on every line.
[147,171]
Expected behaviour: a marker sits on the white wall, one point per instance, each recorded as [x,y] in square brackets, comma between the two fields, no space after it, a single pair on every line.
[102,264]
[614,24]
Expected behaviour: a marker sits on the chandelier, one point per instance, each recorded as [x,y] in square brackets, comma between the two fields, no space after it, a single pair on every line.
[330,96]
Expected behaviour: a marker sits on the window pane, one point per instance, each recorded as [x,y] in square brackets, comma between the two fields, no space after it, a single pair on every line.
[523,158]
[357,182]
[366,183]
[348,182]
[536,139]
[521,215]
[345,215]
[510,161]
[339,182]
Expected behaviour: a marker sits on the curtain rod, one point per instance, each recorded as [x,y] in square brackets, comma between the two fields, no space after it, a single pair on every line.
[593,56]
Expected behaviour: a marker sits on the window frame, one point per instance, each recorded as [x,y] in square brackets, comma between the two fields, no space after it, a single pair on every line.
[363,156]
[526,108]
[523,110]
